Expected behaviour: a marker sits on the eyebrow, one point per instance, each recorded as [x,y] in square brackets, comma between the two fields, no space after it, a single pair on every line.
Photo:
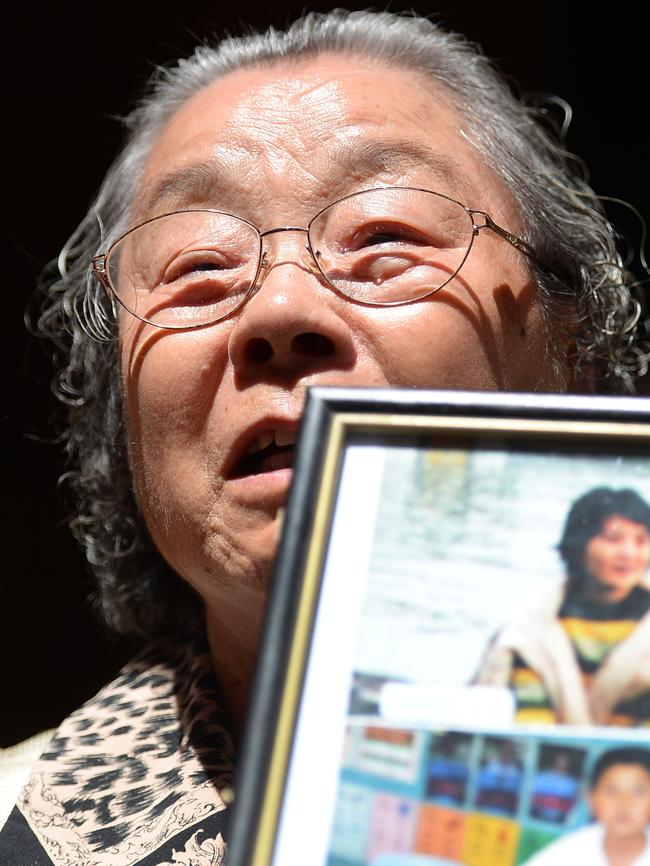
[373,156]
[191,184]
[198,183]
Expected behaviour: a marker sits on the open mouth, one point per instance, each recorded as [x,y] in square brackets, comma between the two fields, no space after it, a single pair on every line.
[269,451]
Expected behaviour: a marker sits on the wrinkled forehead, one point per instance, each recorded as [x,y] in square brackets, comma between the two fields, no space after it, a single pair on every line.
[291,136]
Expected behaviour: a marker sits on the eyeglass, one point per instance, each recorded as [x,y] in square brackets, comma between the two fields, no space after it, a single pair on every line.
[379,247]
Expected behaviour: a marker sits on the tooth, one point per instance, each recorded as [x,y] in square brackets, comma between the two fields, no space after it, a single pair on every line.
[263,440]
[279,461]
[285,437]
[276,461]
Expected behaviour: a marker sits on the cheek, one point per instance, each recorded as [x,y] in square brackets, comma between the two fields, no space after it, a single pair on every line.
[603,807]
[595,557]
[169,388]
[165,373]
[446,342]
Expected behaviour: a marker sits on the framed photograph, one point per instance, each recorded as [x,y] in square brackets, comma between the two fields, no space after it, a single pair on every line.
[456,661]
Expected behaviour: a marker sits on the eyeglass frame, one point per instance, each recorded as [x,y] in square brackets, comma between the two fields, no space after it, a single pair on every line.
[98,262]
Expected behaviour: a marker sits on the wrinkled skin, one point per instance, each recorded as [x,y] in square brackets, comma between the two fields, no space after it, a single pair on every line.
[286,141]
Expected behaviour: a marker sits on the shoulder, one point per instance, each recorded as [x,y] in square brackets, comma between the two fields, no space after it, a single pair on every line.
[140,764]
[581,846]
[642,597]
[162,702]
[543,604]
[16,763]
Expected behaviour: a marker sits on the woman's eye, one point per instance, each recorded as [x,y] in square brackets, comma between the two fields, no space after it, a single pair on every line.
[390,234]
[185,266]
[205,267]
[382,238]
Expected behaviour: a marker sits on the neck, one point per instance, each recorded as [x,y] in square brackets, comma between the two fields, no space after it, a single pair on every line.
[233,638]
[604,595]
[624,850]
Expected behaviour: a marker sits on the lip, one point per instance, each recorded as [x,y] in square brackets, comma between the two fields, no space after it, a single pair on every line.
[623,820]
[242,444]
[266,492]
[625,570]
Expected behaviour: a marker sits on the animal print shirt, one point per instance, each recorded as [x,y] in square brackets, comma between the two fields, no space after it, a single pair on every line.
[134,776]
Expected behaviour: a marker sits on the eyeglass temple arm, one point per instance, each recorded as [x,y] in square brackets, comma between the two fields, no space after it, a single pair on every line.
[489,223]
[99,268]
[518,243]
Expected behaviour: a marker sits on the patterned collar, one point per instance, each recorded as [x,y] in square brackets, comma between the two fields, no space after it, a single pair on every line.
[134,776]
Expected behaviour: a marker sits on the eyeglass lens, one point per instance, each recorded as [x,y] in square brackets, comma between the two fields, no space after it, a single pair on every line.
[380,246]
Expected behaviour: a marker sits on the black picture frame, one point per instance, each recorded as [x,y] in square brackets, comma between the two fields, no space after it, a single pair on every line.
[333,419]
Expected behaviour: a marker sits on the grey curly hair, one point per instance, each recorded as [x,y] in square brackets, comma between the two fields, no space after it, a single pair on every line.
[564,221]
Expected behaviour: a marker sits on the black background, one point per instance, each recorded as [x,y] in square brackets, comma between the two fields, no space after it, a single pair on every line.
[69,71]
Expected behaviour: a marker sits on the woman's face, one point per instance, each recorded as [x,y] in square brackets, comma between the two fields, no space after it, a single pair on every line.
[617,559]
[276,145]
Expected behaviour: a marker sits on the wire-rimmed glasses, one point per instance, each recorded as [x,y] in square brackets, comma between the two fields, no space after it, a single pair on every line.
[378,247]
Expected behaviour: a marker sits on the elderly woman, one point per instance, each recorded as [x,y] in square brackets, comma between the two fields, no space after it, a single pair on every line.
[580,653]
[357,201]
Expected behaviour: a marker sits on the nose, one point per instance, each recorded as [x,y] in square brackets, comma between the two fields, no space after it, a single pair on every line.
[292,326]
[629,549]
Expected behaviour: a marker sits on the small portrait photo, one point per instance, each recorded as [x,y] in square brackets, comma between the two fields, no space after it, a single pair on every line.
[500,776]
[515,586]
[555,786]
[448,768]
[619,800]
[579,651]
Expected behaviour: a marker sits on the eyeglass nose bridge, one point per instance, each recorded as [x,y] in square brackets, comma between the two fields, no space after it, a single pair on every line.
[267,260]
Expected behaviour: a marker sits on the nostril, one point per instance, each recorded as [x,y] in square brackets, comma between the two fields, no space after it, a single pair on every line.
[313,344]
[309,344]
[258,350]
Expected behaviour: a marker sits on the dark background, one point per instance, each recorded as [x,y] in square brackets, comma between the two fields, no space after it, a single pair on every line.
[69,71]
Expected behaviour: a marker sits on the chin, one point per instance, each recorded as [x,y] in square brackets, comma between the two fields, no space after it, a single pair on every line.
[245,559]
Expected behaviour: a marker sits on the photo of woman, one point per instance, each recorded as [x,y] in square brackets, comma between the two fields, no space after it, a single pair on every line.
[579,653]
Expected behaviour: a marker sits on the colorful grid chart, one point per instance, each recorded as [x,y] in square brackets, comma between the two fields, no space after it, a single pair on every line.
[417,798]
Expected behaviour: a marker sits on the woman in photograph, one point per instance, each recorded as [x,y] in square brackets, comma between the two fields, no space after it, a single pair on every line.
[580,652]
